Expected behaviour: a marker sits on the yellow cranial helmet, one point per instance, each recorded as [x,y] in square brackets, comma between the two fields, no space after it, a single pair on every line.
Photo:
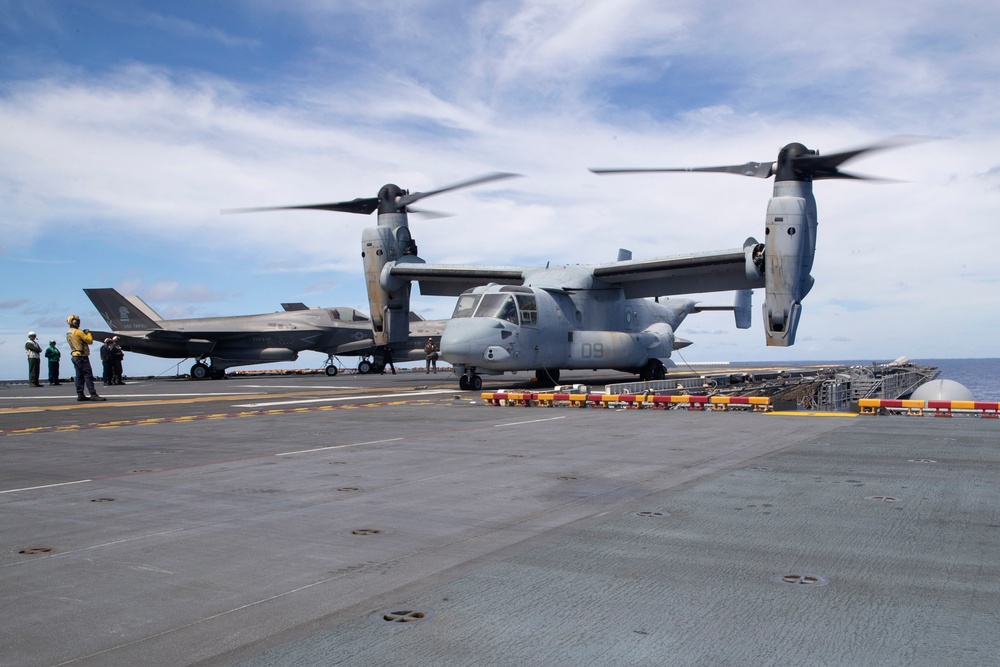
[73,318]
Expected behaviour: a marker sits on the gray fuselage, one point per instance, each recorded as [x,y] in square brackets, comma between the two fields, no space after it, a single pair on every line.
[499,328]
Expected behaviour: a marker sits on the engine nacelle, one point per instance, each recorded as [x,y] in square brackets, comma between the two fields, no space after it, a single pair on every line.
[790,246]
[388,299]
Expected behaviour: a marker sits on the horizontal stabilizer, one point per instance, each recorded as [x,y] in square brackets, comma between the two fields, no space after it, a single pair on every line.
[741,308]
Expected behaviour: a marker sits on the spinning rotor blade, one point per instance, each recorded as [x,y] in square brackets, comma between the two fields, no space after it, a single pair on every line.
[485,178]
[826,166]
[390,198]
[364,206]
[755,169]
[428,214]
[795,162]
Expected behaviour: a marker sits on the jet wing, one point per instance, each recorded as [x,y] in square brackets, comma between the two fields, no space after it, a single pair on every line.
[354,347]
[171,335]
[453,279]
[159,343]
[158,336]
[717,271]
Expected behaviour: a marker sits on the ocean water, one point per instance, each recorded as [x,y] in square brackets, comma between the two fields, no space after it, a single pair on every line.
[980,376]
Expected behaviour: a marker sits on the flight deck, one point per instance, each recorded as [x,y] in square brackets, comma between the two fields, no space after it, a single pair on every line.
[380,519]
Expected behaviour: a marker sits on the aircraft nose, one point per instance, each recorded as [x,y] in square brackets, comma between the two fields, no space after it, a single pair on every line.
[465,340]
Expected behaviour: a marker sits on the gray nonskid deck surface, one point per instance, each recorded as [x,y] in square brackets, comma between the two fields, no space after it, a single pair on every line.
[526,535]
[906,549]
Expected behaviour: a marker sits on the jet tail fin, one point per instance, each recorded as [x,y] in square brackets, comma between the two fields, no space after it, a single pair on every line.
[144,308]
[121,313]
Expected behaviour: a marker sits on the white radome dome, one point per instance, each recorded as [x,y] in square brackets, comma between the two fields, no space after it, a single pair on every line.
[942,390]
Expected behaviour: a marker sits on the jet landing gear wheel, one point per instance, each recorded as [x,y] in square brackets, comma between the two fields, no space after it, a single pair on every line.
[200,371]
[330,368]
[365,367]
[654,370]
[470,382]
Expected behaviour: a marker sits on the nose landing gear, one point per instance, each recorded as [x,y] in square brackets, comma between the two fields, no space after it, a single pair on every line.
[331,367]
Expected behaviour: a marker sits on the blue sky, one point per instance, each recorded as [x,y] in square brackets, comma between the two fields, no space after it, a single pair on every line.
[126,126]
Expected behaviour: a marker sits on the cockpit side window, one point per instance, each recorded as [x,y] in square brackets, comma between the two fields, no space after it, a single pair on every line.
[466,305]
[508,311]
[528,308]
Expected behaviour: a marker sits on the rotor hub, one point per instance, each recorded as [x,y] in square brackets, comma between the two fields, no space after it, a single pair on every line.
[388,199]
[790,167]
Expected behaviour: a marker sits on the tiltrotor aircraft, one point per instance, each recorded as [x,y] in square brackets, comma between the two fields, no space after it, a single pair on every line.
[250,339]
[595,316]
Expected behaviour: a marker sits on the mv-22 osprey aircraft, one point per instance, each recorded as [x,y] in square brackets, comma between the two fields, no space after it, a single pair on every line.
[594,316]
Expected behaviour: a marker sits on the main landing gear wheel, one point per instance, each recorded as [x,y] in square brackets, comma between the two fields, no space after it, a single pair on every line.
[470,383]
[654,370]
[365,367]
[331,370]
[200,371]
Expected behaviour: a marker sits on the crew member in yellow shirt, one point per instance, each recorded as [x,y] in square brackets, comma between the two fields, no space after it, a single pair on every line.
[80,341]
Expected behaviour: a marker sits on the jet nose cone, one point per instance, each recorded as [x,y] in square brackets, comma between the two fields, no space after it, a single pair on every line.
[465,340]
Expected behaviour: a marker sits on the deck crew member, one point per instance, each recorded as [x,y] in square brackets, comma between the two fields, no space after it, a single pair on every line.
[80,341]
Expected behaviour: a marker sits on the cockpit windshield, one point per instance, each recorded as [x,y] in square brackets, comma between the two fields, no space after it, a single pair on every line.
[466,305]
[500,306]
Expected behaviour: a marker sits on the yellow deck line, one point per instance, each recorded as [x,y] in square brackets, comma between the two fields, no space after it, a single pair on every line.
[814,414]
[113,403]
